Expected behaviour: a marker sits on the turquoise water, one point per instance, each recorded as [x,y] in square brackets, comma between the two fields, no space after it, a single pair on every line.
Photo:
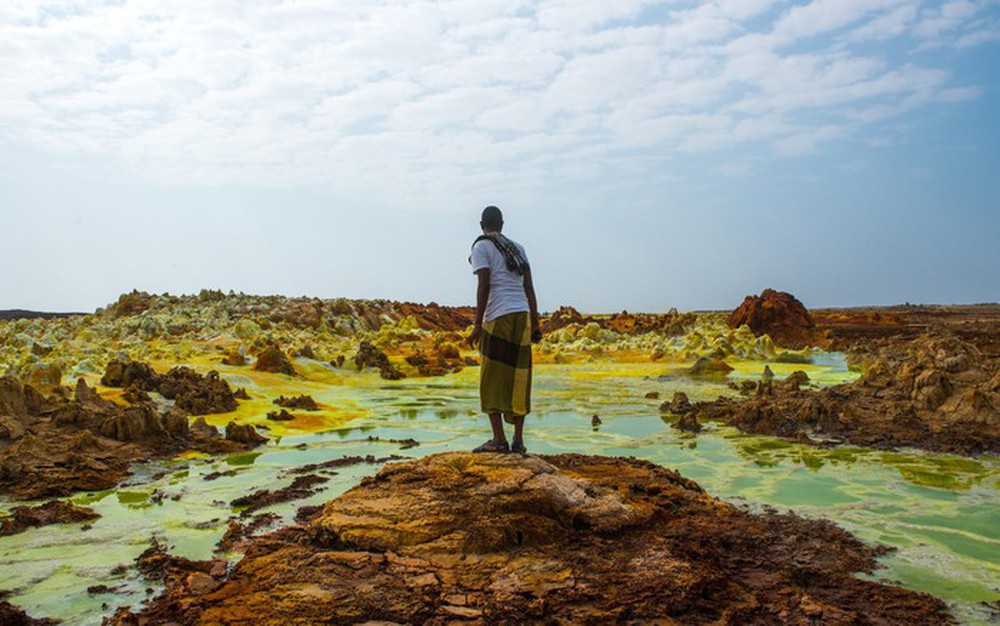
[940,511]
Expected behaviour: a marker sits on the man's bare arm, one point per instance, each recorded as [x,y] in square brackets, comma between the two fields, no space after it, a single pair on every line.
[482,297]
[529,291]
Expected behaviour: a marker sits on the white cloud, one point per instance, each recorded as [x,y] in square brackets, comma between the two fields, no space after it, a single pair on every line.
[450,95]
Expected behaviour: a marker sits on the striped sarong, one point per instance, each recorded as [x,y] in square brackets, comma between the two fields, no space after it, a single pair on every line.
[505,372]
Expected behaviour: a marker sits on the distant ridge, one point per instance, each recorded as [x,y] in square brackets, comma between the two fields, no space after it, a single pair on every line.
[21,314]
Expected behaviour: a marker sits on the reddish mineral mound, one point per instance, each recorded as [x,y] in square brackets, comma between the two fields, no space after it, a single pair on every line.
[132,303]
[777,314]
[564,316]
[433,316]
[564,539]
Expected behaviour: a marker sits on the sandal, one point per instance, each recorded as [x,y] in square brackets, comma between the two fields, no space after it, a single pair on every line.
[493,446]
[518,448]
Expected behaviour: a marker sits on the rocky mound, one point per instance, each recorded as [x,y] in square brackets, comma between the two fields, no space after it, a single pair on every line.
[564,316]
[304,402]
[22,518]
[197,394]
[53,446]
[565,539]
[190,391]
[778,314]
[272,359]
[935,392]
[11,615]
[370,356]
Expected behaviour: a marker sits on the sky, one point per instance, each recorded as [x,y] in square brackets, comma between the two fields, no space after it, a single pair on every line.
[648,155]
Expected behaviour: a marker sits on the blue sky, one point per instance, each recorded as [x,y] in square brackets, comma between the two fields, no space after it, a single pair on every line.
[647,154]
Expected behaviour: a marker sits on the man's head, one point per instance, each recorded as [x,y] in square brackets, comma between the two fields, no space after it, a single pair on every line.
[492,220]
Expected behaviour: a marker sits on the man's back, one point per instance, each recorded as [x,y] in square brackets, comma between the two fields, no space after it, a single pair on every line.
[507,293]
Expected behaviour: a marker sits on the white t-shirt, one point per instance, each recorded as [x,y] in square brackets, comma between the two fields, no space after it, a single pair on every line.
[506,287]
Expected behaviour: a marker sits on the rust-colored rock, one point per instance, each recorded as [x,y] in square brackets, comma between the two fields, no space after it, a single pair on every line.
[778,314]
[905,398]
[132,303]
[564,316]
[22,518]
[565,539]
[433,316]
[272,359]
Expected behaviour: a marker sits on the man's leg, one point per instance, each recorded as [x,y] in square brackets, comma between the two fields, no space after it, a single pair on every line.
[518,430]
[496,421]
[499,441]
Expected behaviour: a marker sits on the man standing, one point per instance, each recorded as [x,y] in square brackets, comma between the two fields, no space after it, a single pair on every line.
[506,326]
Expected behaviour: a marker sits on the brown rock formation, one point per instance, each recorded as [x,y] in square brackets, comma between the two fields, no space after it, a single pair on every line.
[45,377]
[687,422]
[197,394]
[53,512]
[85,443]
[125,373]
[237,359]
[303,402]
[132,303]
[272,359]
[566,539]
[13,397]
[190,391]
[779,315]
[301,487]
[564,316]
[433,316]
[11,428]
[11,615]
[446,359]
[709,367]
[679,404]
[935,392]
[244,433]
[280,416]
[370,356]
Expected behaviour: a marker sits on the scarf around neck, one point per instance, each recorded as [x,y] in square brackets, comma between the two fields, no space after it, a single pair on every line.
[511,254]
